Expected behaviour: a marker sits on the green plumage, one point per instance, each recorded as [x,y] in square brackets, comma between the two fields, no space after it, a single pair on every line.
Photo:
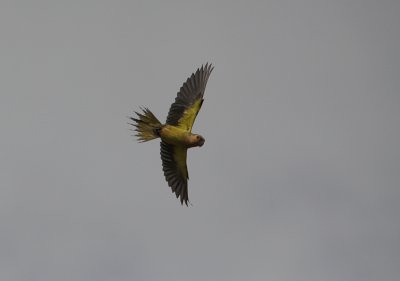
[147,126]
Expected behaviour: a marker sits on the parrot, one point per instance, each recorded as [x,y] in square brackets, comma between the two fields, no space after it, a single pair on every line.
[176,134]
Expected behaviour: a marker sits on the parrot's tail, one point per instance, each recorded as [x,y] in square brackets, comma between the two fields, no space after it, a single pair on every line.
[146,125]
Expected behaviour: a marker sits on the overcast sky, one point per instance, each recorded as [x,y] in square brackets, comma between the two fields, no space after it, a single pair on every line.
[299,178]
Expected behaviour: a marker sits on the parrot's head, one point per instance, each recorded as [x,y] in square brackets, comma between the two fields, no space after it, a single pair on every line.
[199,140]
[195,140]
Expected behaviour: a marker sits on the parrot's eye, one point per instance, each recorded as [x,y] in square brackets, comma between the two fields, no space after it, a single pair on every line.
[198,137]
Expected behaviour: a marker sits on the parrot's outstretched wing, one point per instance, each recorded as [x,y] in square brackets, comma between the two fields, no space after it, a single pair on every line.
[188,102]
[175,169]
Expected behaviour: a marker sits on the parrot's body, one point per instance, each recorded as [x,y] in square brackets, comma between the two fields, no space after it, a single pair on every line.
[176,135]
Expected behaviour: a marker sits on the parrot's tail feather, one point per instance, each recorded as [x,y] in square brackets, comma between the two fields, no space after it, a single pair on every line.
[146,125]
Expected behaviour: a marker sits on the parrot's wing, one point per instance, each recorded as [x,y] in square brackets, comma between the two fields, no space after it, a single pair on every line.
[175,170]
[188,102]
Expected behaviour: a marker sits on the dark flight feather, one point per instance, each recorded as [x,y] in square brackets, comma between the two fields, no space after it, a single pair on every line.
[189,99]
[175,171]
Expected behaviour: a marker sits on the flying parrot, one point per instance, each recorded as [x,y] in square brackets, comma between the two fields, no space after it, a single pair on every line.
[176,134]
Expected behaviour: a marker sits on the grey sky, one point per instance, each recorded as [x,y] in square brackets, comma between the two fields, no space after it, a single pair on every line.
[300,173]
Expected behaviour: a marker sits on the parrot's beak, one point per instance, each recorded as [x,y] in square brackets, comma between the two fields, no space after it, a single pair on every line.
[201,142]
